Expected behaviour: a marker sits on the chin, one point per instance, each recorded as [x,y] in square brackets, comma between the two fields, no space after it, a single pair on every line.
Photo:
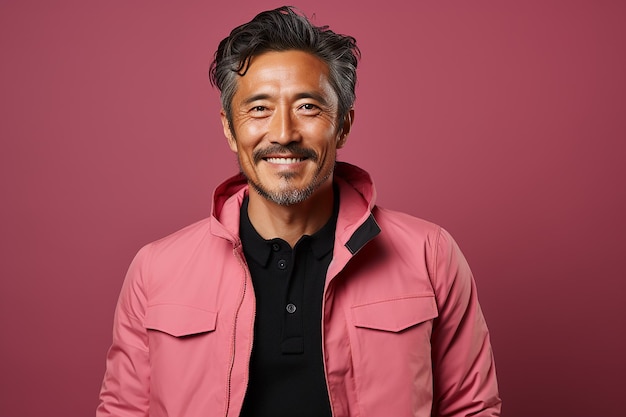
[284,197]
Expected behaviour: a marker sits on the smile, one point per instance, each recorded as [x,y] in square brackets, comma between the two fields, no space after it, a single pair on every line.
[284,161]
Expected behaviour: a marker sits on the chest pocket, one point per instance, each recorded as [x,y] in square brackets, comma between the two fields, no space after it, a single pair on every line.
[179,320]
[395,315]
[390,341]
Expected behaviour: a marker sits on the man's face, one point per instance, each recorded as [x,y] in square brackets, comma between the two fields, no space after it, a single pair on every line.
[284,126]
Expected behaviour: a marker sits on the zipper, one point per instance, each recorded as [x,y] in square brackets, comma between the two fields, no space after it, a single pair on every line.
[330,398]
[244,266]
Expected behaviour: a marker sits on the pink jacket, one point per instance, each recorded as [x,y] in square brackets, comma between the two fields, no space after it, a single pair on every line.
[403,333]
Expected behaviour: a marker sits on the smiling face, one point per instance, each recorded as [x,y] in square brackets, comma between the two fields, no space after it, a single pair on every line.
[285,128]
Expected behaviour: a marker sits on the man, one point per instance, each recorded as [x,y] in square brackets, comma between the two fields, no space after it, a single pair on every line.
[298,296]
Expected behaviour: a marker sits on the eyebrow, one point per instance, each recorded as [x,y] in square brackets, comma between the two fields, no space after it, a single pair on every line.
[305,94]
[315,96]
[255,97]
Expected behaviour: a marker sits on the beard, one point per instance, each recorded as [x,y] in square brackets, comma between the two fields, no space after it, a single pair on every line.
[289,194]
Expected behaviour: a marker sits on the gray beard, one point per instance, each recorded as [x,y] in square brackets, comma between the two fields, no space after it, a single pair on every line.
[289,197]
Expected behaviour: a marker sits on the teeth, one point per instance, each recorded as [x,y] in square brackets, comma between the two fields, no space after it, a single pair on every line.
[284,160]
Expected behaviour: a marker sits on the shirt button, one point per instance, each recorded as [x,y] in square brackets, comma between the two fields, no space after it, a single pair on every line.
[291,308]
[282,264]
[275,247]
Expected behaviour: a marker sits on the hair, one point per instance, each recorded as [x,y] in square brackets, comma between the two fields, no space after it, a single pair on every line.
[284,29]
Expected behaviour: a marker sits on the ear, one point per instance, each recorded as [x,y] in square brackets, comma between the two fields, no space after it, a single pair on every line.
[345,129]
[232,143]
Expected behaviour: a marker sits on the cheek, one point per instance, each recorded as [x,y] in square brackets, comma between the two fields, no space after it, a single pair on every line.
[325,138]
[249,129]
[254,129]
[248,138]
[327,157]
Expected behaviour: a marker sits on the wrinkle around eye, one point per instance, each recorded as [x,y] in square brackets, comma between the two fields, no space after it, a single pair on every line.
[259,111]
[310,109]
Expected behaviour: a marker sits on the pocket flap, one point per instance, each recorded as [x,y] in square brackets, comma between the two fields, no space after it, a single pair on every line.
[395,315]
[179,320]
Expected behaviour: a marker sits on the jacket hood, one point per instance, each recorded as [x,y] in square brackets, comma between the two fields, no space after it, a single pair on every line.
[355,185]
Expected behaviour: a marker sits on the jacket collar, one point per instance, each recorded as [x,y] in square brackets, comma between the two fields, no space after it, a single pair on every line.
[355,225]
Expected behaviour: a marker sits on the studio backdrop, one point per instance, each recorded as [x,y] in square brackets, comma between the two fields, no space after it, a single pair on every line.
[502,121]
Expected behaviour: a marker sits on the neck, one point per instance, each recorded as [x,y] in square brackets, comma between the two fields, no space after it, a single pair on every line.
[290,223]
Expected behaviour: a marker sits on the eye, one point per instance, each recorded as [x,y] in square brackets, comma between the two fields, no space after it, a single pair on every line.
[259,111]
[309,109]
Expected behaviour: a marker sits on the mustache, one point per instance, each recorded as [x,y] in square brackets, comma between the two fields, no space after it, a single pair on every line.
[292,149]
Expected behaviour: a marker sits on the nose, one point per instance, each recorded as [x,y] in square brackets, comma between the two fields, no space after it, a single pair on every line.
[284,126]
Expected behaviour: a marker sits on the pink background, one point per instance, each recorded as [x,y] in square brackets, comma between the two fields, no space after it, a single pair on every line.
[503,121]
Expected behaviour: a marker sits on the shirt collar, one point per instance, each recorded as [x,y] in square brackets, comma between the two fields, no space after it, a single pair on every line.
[259,249]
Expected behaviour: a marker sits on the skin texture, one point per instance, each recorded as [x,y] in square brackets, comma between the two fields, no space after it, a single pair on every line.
[285,107]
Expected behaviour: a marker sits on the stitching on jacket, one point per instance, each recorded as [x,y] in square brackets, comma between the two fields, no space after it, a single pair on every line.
[347,314]
[420,295]
[145,277]
[435,256]
[240,259]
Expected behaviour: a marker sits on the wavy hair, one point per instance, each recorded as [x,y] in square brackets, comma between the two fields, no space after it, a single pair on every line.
[284,29]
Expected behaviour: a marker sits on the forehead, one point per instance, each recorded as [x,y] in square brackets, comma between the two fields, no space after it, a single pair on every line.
[284,72]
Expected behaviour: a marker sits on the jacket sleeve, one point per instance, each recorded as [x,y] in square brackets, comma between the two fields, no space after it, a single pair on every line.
[464,376]
[125,388]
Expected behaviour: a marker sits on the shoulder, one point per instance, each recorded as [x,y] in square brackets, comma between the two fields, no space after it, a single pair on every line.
[409,234]
[168,268]
[180,243]
[402,224]
[186,234]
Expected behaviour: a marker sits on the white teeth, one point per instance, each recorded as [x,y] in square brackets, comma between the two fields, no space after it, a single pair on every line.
[284,161]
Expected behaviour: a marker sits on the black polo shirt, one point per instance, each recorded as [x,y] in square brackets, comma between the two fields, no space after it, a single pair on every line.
[286,367]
